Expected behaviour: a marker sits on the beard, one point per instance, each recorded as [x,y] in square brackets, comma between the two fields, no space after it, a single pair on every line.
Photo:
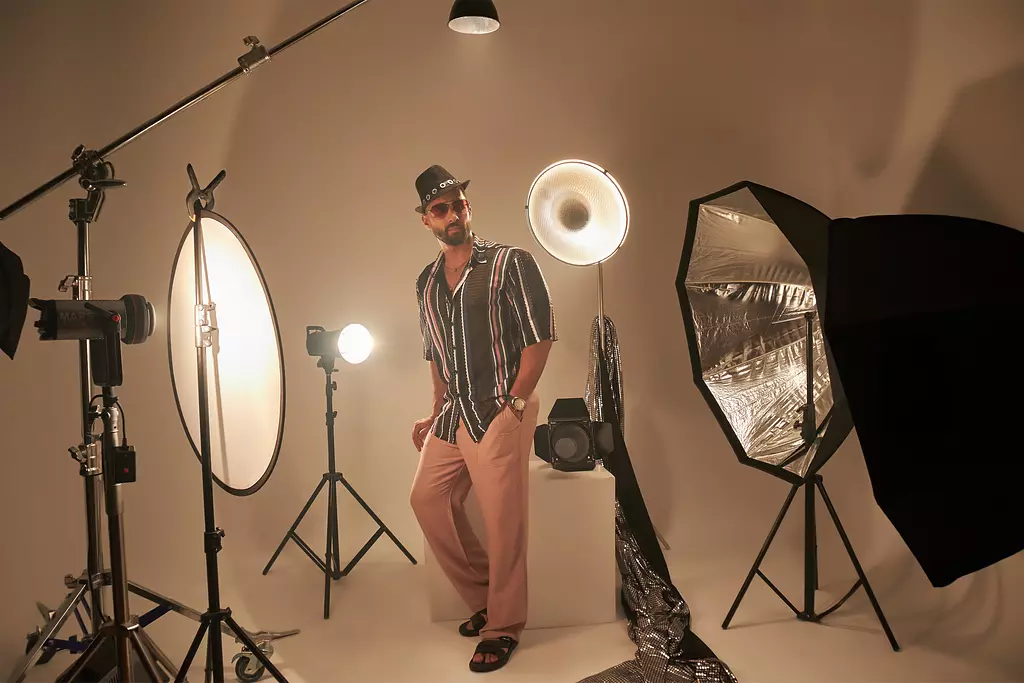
[454,234]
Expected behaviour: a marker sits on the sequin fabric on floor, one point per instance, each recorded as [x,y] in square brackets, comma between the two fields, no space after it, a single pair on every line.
[658,616]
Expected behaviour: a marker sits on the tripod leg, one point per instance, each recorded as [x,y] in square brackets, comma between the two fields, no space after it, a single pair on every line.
[810,550]
[856,565]
[295,525]
[760,555]
[377,519]
[241,634]
[336,537]
[51,629]
[332,527]
[191,655]
[216,654]
[208,671]
[159,654]
[145,656]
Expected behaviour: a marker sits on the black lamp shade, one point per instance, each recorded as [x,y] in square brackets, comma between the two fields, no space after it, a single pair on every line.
[474,16]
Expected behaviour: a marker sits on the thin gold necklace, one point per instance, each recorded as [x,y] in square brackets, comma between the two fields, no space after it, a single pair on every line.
[455,268]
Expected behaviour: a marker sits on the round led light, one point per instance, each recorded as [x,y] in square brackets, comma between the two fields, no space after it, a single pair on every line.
[355,343]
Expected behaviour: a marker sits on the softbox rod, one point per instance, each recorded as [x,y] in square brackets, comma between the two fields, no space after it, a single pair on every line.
[256,56]
[600,335]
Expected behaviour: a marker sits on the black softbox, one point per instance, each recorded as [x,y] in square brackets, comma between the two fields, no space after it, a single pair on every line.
[753,265]
[14,291]
[924,313]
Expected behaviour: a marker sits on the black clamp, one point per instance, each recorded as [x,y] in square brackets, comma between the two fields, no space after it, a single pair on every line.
[213,544]
[95,176]
[204,196]
[215,617]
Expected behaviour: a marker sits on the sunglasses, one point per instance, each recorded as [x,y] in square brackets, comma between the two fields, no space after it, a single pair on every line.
[441,210]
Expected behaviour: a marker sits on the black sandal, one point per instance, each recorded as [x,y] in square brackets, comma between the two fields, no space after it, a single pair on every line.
[471,628]
[502,647]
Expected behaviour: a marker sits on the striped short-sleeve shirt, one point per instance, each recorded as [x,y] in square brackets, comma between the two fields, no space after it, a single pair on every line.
[476,332]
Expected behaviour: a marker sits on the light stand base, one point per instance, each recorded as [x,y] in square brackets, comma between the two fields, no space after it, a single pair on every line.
[223,621]
[331,565]
[41,646]
[811,563]
[98,660]
[45,637]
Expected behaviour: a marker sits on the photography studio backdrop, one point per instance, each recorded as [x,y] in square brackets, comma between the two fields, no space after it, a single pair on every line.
[886,107]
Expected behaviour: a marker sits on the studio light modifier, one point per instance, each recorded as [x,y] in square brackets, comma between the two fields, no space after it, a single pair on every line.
[354,343]
[75,320]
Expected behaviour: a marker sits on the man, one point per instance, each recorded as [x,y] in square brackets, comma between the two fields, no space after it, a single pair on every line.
[487,326]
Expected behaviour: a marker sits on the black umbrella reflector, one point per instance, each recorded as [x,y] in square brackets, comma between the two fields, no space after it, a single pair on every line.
[751,272]
[925,318]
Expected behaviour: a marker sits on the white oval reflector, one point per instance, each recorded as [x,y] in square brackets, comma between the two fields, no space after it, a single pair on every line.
[244,365]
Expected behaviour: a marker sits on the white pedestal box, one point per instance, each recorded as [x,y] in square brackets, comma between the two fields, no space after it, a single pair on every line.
[573,576]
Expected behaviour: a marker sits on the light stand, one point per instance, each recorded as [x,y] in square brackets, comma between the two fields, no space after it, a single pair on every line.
[331,564]
[813,480]
[119,464]
[216,617]
[43,643]
[95,177]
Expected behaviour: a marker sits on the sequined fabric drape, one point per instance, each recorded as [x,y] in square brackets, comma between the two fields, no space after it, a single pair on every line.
[658,617]
[595,402]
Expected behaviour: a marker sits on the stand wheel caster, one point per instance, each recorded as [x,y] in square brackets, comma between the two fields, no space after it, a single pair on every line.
[47,652]
[249,668]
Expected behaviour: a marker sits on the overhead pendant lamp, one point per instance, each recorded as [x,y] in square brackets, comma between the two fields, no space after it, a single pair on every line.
[473,17]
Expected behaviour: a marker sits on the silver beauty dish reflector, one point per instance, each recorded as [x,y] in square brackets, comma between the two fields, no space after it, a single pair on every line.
[578,212]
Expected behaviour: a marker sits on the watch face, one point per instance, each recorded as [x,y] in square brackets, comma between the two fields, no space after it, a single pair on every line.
[518,403]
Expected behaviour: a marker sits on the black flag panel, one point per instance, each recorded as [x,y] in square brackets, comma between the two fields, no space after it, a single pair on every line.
[924,319]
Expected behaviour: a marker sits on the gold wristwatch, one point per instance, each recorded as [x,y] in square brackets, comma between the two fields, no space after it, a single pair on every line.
[518,404]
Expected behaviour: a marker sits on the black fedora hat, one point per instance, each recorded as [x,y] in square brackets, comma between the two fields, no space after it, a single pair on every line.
[434,181]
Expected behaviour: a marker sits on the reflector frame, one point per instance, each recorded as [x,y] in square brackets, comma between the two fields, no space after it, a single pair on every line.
[245,364]
[566,189]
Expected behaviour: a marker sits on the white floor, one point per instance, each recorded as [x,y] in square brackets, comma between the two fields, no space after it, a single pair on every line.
[379,631]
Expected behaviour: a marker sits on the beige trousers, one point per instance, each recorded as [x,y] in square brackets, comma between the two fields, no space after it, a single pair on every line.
[498,468]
